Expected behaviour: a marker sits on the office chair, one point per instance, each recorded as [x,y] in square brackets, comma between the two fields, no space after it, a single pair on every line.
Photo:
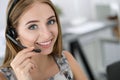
[75,45]
[113,71]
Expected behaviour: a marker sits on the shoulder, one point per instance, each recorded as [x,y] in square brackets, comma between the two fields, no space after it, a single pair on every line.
[75,67]
[72,61]
[68,55]
[70,58]
[2,77]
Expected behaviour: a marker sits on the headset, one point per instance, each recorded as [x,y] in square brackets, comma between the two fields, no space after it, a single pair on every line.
[11,32]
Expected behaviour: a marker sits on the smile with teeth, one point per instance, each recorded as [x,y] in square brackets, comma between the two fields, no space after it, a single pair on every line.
[45,43]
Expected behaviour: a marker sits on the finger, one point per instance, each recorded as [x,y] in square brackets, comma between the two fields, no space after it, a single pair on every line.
[17,62]
[22,65]
[24,72]
[24,51]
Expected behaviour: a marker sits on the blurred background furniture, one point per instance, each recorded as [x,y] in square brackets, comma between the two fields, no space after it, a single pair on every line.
[113,71]
[88,35]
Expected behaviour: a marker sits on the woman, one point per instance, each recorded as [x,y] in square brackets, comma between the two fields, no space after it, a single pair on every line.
[35,25]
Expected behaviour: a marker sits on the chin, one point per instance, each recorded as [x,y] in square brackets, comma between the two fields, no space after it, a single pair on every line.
[46,52]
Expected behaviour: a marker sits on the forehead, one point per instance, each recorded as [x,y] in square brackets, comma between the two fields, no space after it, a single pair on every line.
[37,10]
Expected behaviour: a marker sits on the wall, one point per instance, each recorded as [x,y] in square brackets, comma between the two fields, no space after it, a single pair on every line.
[81,8]
[75,8]
[3,5]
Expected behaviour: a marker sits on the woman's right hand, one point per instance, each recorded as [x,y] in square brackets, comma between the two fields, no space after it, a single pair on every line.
[22,64]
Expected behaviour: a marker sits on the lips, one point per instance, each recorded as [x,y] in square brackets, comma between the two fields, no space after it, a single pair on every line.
[45,43]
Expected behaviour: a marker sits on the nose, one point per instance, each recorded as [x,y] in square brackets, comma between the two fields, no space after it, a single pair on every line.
[45,33]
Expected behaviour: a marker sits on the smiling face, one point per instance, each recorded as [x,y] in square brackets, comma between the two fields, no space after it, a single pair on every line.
[38,27]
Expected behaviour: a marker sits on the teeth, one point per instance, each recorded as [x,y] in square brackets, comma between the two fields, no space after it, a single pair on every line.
[45,43]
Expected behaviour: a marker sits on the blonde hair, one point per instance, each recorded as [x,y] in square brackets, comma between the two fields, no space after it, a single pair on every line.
[15,14]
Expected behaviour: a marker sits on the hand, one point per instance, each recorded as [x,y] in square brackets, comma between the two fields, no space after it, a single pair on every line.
[22,64]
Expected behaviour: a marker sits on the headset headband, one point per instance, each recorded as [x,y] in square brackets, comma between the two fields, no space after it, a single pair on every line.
[12,6]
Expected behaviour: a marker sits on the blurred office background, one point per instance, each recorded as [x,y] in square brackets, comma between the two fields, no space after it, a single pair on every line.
[90,30]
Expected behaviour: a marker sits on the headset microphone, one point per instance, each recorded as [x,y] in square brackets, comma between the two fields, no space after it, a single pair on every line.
[13,40]
[21,46]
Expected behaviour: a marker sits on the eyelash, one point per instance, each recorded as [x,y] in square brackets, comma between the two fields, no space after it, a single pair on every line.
[49,22]
[32,27]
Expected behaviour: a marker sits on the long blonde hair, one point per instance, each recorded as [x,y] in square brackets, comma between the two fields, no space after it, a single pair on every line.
[15,14]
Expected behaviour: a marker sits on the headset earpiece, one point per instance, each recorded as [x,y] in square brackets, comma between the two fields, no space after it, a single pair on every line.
[12,32]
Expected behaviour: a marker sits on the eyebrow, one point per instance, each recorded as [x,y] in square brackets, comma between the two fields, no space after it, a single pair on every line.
[32,21]
[51,17]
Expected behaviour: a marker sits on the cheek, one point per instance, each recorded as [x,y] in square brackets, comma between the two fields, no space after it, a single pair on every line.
[27,39]
[55,31]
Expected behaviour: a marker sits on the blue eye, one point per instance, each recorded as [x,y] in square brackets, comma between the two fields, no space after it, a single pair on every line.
[33,26]
[51,22]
